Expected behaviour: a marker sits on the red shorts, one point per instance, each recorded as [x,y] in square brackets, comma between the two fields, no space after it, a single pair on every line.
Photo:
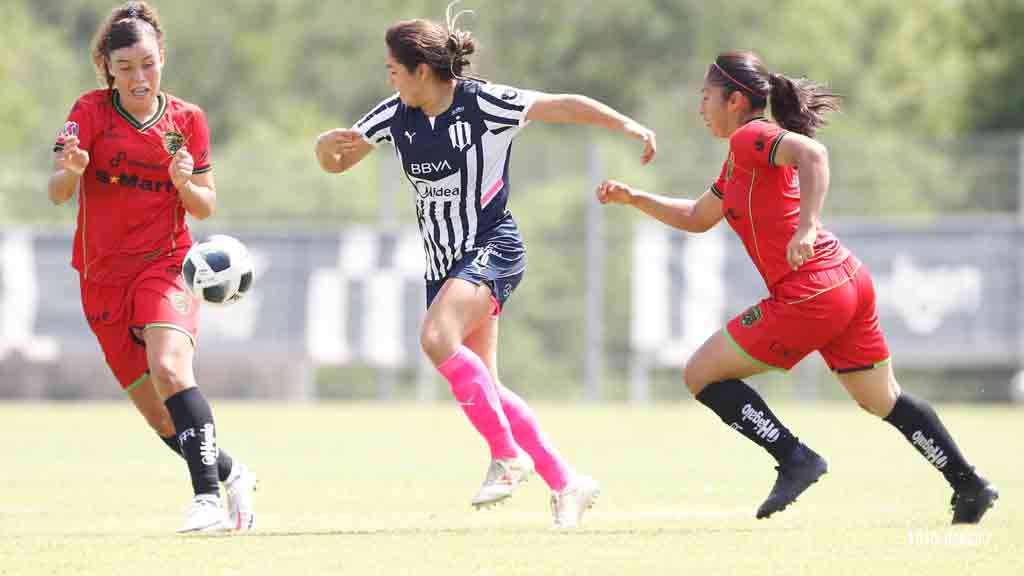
[117,316]
[831,311]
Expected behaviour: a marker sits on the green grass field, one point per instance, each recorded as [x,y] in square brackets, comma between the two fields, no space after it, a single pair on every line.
[385,489]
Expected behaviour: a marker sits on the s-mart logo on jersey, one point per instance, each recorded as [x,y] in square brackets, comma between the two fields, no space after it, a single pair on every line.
[128,180]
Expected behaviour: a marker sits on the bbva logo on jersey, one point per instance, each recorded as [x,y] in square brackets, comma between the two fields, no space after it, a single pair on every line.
[426,168]
[461,134]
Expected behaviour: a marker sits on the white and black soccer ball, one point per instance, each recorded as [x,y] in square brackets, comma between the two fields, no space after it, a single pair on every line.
[218,270]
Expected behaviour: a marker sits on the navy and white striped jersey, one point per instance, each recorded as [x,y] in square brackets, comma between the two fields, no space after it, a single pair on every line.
[457,164]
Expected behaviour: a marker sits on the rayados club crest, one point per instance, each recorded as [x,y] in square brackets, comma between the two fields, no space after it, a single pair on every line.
[750,317]
[173,141]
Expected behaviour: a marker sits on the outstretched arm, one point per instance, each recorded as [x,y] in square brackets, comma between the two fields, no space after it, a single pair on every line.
[340,149]
[691,215]
[576,109]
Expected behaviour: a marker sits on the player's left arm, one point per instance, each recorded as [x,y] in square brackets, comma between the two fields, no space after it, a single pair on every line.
[191,170]
[811,159]
[578,109]
[198,192]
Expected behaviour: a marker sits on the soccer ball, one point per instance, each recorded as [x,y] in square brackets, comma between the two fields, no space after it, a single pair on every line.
[218,270]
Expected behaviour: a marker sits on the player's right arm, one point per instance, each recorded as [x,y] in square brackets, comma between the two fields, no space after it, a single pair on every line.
[339,149]
[69,165]
[690,215]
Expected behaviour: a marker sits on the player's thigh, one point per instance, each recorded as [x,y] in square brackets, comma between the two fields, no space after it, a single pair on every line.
[718,359]
[875,389]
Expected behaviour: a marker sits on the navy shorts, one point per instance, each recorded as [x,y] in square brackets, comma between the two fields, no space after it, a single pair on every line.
[498,264]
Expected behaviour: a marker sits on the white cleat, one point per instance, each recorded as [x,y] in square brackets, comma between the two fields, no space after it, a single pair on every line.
[239,487]
[503,476]
[205,515]
[577,497]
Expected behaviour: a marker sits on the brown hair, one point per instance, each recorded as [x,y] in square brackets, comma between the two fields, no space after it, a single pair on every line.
[445,48]
[798,105]
[122,28]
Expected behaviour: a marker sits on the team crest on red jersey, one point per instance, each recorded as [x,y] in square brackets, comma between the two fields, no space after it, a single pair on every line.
[181,302]
[173,141]
[750,317]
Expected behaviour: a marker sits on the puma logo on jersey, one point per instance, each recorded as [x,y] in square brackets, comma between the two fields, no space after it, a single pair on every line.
[424,168]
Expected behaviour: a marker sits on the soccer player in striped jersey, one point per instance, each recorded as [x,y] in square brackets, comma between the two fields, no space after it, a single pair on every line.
[821,297]
[452,136]
[140,161]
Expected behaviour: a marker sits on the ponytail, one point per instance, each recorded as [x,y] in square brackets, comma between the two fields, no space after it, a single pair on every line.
[800,105]
[797,105]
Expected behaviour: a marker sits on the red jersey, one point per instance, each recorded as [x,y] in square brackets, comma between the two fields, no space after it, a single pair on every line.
[129,212]
[761,201]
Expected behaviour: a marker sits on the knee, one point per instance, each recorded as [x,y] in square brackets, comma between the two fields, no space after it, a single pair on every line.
[436,343]
[873,408]
[881,405]
[693,378]
[170,376]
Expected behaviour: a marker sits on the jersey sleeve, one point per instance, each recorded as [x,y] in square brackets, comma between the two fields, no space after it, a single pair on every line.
[757,143]
[718,187]
[79,123]
[199,143]
[375,127]
[505,108]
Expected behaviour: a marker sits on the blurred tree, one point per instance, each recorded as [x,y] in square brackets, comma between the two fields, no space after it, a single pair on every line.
[995,42]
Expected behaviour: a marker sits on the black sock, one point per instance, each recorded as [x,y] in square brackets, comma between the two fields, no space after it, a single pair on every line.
[743,409]
[224,462]
[919,423]
[193,420]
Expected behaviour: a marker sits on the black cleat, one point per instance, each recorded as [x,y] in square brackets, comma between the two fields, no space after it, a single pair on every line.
[971,501]
[796,474]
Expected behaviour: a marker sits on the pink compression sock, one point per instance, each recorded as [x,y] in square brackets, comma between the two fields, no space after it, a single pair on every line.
[478,397]
[526,430]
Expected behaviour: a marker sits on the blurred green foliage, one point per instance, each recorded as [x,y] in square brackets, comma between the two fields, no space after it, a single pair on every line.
[273,74]
[925,83]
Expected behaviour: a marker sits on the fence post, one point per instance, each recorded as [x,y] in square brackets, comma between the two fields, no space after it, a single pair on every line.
[593,319]
[387,219]
[1017,393]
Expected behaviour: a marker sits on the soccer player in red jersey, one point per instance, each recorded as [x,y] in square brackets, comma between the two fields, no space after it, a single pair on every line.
[820,296]
[140,160]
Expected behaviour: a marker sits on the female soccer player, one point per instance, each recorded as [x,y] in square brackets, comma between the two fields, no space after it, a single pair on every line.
[140,160]
[821,297]
[453,136]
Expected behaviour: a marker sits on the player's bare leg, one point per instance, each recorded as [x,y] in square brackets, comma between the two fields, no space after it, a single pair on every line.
[169,353]
[456,311]
[571,494]
[878,392]
[239,481]
[714,375]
